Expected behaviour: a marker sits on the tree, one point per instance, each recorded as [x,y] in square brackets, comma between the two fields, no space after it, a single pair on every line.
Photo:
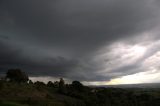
[39,83]
[56,84]
[77,85]
[30,82]
[16,75]
[50,84]
[61,85]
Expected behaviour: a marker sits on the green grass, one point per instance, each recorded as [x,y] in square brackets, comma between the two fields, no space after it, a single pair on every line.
[11,104]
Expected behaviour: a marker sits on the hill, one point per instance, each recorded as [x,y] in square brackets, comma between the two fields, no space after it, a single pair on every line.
[142,85]
[14,94]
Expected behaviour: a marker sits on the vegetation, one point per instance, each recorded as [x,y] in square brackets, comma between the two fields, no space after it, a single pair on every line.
[16,75]
[18,92]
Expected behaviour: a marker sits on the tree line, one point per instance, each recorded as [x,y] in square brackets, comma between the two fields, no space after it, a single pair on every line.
[18,76]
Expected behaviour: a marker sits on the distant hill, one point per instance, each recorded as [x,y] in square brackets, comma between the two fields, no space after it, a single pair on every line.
[143,85]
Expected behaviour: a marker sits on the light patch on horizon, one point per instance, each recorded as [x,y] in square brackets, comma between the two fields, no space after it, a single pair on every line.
[148,71]
[142,77]
[43,79]
[150,63]
[47,78]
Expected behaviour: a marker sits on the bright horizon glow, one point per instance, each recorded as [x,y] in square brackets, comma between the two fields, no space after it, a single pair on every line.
[142,77]
[138,78]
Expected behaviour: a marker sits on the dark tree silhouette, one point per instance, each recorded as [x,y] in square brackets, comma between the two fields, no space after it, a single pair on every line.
[50,84]
[77,85]
[56,84]
[30,82]
[39,83]
[16,75]
[61,85]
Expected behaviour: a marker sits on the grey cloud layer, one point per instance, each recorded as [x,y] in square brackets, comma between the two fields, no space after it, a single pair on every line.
[60,37]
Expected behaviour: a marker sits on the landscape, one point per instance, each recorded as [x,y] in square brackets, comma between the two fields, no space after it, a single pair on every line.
[79,53]
[17,90]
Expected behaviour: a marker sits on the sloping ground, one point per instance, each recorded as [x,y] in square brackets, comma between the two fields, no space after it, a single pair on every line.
[12,94]
[11,104]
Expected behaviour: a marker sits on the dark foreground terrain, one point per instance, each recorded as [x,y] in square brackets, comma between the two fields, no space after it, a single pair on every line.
[17,90]
[15,94]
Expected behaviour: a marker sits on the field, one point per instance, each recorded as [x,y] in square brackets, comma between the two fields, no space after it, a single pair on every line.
[24,94]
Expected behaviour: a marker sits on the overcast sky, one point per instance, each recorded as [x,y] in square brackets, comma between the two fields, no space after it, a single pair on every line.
[93,41]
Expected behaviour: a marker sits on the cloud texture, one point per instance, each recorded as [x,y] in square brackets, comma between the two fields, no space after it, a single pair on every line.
[86,40]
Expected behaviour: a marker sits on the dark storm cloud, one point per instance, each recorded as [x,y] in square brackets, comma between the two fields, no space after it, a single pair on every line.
[59,37]
[15,58]
[69,23]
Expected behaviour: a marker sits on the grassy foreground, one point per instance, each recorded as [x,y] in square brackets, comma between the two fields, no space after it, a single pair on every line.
[14,94]
[40,94]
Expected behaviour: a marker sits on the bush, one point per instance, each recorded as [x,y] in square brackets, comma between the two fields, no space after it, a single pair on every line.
[77,86]
[50,84]
[40,85]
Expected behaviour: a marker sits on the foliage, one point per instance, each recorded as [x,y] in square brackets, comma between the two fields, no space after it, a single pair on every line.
[16,75]
[75,94]
[50,84]
[39,85]
[61,86]
[77,85]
